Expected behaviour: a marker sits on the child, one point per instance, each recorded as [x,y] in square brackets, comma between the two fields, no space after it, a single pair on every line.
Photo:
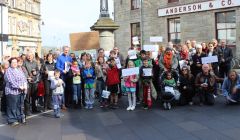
[100,70]
[74,74]
[146,84]
[57,86]
[170,85]
[89,77]
[130,83]
[112,82]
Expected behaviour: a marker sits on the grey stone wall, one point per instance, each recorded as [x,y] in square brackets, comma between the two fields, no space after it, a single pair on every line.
[199,26]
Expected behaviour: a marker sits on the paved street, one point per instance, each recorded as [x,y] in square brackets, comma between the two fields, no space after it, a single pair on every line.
[219,122]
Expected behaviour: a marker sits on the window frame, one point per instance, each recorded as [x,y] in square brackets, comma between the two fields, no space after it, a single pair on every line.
[171,1]
[169,33]
[137,6]
[226,28]
[139,36]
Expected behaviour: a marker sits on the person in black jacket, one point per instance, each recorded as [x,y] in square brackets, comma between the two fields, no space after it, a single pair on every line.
[186,86]
[225,56]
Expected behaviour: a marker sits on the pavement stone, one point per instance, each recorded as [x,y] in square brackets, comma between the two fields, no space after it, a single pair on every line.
[218,122]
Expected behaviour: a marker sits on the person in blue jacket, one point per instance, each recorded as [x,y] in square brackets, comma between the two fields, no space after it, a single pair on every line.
[231,87]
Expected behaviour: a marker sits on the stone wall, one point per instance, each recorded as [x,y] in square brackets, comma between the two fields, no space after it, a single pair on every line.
[199,25]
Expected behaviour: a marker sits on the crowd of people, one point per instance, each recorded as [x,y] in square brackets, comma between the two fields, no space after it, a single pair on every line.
[66,81]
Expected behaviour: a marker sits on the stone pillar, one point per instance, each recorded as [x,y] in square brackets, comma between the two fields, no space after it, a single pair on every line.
[106,40]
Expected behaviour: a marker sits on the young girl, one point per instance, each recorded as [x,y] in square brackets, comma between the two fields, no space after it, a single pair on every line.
[112,82]
[130,83]
[100,70]
[57,86]
[89,77]
[74,74]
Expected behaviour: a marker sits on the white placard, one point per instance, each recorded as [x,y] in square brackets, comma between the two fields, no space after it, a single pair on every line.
[196,7]
[132,54]
[154,55]
[147,72]
[209,59]
[107,53]
[67,66]
[152,48]
[135,40]
[130,71]
[182,63]
[50,75]
[118,63]
[156,39]
[169,89]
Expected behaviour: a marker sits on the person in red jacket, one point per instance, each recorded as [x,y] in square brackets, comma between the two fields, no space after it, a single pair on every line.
[112,82]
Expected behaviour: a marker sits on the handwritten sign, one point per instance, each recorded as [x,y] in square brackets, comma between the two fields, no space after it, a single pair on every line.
[152,48]
[130,71]
[132,54]
[156,39]
[147,72]
[209,59]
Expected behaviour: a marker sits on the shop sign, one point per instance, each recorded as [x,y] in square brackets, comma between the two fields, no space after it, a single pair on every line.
[197,7]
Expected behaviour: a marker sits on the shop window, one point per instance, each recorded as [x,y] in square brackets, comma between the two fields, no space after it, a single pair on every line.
[135,34]
[135,4]
[226,27]
[174,30]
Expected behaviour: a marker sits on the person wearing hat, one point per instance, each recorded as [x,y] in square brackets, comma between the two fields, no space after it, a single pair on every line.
[196,66]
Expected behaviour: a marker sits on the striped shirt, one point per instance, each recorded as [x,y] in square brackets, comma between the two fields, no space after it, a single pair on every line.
[14,78]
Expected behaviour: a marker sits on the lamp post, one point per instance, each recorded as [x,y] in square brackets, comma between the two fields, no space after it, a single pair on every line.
[141,22]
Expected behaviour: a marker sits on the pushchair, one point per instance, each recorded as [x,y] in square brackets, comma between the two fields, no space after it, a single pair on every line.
[169,93]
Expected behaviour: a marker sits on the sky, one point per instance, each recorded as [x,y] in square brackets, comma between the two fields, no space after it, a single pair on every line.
[62,17]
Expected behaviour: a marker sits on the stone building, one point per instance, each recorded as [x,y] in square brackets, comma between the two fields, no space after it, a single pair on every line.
[24,26]
[177,21]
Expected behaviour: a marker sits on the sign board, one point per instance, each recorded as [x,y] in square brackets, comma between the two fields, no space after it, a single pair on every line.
[209,59]
[147,72]
[130,71]
[152,48]
[132,54]
[197,7]
[84,41]
[156,39]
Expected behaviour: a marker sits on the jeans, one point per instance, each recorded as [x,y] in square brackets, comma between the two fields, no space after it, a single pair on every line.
[89,96]
[100,86]
[57,102]
[76,92]
[13,108]
[47,95]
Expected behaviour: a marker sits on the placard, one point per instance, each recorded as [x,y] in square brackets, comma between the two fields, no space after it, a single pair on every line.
[118,63]
[209,59]
[182,63]
[152,48]
[50,75]
[132,54]
[130,71]
[156,39]
[147,72]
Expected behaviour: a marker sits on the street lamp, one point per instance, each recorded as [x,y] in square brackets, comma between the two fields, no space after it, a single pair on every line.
[141,22]
[3,37]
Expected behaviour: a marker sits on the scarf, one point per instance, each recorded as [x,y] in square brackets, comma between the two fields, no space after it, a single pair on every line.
[184,55]
[167,58]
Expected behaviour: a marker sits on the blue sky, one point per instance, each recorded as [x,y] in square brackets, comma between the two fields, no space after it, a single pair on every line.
[62,17]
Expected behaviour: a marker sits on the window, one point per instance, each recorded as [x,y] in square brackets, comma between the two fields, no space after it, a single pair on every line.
[174,30]
[226,27]
[135,4]
[170,1]
[136,34]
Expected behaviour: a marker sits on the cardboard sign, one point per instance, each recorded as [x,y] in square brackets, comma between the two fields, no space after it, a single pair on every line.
[130,71]
[209,59]
[152,48]
[84,41]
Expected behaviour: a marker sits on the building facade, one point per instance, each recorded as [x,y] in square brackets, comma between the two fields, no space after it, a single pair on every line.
[24,26]
[177,21]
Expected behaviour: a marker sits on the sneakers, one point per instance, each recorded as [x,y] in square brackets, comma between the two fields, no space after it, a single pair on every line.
[90,106]
[133,108]
[169,106]
[14,124]
[129,108]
